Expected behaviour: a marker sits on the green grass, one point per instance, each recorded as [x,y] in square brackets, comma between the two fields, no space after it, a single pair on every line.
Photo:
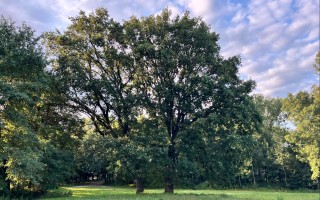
[122,193]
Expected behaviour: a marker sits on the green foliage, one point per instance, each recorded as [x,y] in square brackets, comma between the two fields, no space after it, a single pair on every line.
[169,68]
[274,162]
[303,109]
[95,155]
[21,79]
[166,106]
[264,169]
[188,174]
[59,165]
[35,136]
[317,64]
[217,152]
[184,79]
[91,60]
[141,154]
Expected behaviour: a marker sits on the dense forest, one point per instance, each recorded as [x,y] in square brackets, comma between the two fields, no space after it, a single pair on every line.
[148,101]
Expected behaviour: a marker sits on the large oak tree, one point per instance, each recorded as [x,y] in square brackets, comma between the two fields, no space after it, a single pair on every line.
[184,78]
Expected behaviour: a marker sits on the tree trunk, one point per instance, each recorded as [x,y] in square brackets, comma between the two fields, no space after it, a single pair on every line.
[285,176]
[168,185]
[170,170]
[318,183]
[254,179]
[240,181]
[105,178]
[139,185]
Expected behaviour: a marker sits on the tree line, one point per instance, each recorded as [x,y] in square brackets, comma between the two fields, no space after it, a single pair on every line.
[150,101]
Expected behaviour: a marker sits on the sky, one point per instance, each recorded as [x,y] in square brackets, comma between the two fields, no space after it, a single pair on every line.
[276,39]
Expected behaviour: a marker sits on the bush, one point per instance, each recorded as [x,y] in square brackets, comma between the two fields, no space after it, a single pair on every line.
[187,174]
[202,186]
[3,190]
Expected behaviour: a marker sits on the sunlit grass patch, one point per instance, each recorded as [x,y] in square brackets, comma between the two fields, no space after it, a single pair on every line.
[122,193]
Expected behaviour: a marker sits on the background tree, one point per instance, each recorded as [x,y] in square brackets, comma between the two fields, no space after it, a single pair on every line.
[139,155]
[216,153]
[183,77]
[303,109]
[316,65]
[263,166]
[34,132]
[21,78]
[94,156]
[274,162]
[61,132]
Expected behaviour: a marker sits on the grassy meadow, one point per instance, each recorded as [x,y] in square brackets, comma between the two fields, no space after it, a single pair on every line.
[122,193]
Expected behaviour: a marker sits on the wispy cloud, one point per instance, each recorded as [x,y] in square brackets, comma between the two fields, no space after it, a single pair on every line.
[276,39]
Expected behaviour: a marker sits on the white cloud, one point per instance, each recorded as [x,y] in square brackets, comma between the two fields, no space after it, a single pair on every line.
[238,17]
[200,8]
[277,42]
[276,39]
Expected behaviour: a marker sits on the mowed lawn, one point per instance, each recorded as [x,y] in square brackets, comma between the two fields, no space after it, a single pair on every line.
[121,193]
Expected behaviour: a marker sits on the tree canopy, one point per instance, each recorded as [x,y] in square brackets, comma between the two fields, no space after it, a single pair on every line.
[169,68]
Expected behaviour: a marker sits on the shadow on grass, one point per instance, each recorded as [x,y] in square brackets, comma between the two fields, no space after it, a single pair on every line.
[57,193]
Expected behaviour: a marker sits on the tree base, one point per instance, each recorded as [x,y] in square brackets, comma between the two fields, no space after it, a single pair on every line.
[139,186]
[168,188]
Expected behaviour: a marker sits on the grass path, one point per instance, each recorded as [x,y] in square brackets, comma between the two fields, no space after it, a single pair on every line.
[122,193]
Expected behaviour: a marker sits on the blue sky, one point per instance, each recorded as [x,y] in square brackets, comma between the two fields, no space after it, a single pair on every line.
[276,39]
